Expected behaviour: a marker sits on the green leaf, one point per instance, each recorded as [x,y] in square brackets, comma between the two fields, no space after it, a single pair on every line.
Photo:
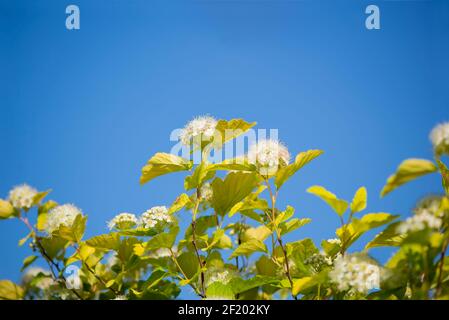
[293,224]
[248,248]
[6,209]
[138,232]
[330,248]
[199,175]
[27,261]
[233,189]
[266,267]
[359,201]
[188,263]
[234,164]
[259,233]
[351,232]
[179,203]
[163,240]
[301,160]
[220,291]
[408,170]
[240,285]
[25,239]
[445,176]
[75,232]
[163,163]
[387,238]
[305,283]
[53,246]
[229,130]
[109,241]
[40,196]
[338,205]
[10,291]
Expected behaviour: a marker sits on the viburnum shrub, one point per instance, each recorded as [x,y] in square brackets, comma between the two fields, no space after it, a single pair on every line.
[234,245]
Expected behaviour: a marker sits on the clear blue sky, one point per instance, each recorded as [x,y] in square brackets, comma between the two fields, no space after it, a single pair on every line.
[82,111]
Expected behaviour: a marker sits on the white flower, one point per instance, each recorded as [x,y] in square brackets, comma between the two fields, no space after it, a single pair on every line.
[432,204]
[164,252]
[222,276]
[63,215]
[356,273]
[318,260]
[43,283]
[334,241]
[206,192]
[22,196]
[422,220]
[120,297]
[156,216]
[268,155]
[198,130]
[440,137]
[123,221]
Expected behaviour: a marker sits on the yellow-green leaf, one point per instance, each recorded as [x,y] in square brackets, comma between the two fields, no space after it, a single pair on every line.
[408,170]
[10,291]
[163,163]
[233,189]
[6,209]
[338,205]
[179,203]
[359,201]
[301,160]
[248,248]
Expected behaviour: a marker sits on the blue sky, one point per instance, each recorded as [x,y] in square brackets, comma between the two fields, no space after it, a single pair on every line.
[81,111]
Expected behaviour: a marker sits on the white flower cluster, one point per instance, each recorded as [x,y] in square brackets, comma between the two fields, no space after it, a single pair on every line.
[222,276]
[424,219]
[120,297]
[198,130]
[21,197]
[156,216]
[43,283]
[355,273]
[334,241]
[268,155]
[123,221]
[431,204]
[63,215]
[440,137]
[206,192]
[318,261]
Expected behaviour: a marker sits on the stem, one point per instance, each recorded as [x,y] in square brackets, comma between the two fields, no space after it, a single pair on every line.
[193,224]
[279,237]
[183,273]
[440,268]
[58,278]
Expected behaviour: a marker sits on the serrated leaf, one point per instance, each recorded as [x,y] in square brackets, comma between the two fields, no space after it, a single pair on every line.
[163,163]
[163,240]
[248,248]
[188,263]
[234,164]
[387,238]
[338,205]
[360,200]
[351,232]
[293,224]
[179,203]
[408,170]
[303,158]
[240,285]
[229,130]
[259,233]
[233,189]
[110,241]
[199,175]
[75,232]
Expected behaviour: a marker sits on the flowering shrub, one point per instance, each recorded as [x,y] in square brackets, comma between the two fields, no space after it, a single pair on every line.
[233,247]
